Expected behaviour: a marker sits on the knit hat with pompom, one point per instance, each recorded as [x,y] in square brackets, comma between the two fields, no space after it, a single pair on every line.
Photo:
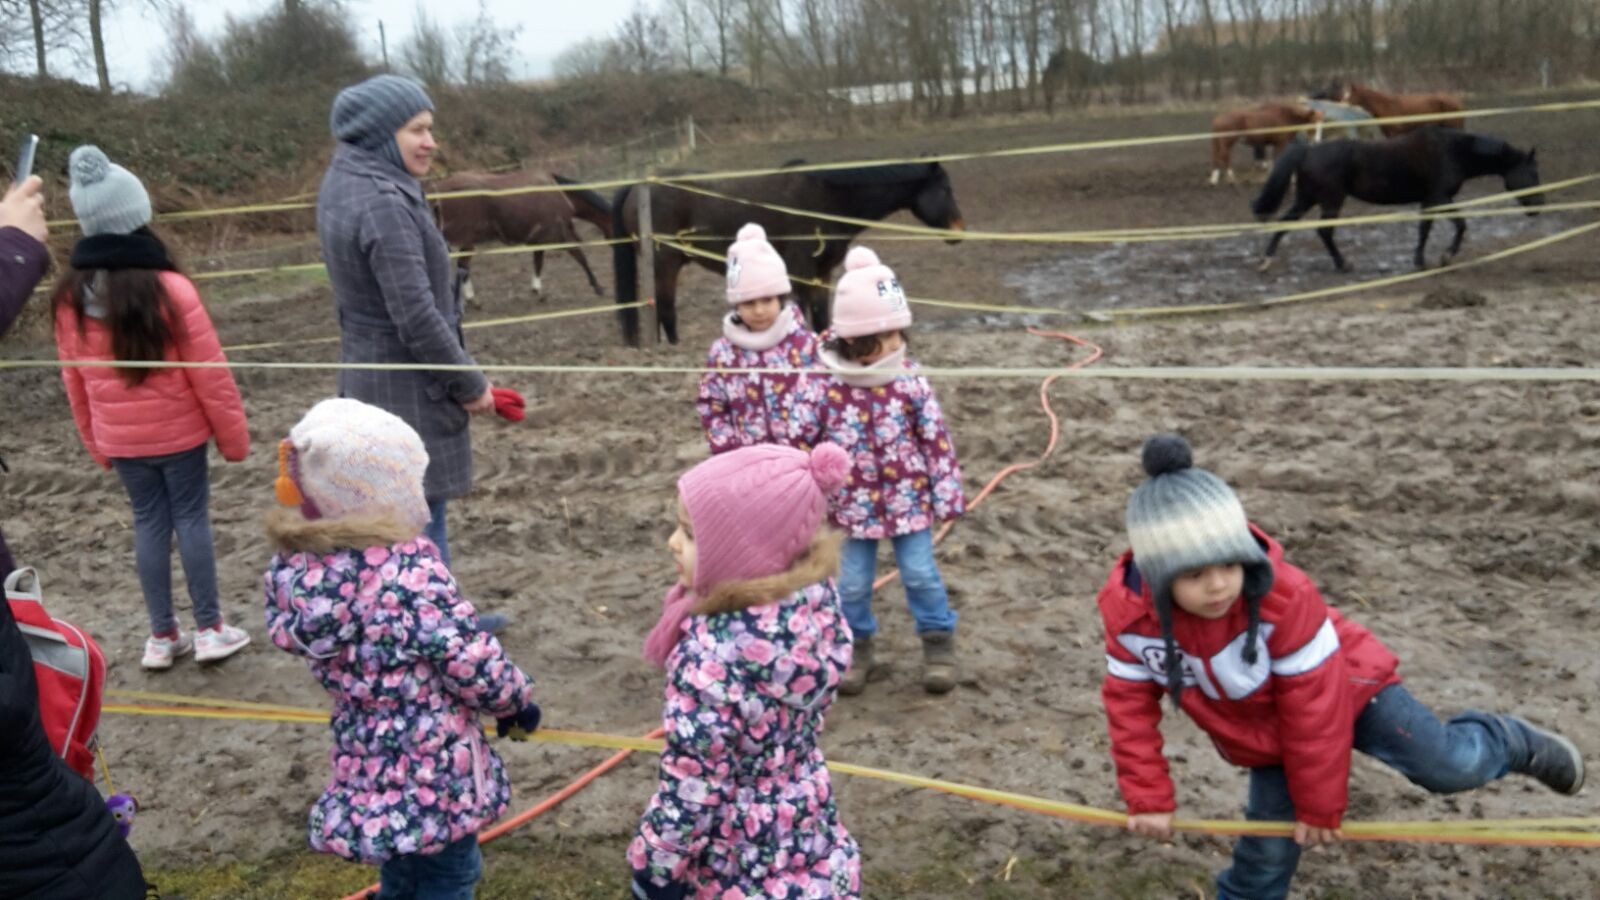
[346,459]
[1183,518]
[755,510]
[868,299]
[755,270]
[106,198]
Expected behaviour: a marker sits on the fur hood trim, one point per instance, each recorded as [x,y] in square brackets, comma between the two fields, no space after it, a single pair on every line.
[291,532]
[819,563]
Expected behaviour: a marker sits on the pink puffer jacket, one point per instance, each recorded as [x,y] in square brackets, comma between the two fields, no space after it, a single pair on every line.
[173,409]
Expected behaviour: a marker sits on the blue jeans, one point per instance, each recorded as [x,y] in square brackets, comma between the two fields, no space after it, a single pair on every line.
[170,494]
[1469,751]
[925,592]
[450,874]
[437,531]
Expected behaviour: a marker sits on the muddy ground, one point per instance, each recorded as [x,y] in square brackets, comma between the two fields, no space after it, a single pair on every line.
[1456,520]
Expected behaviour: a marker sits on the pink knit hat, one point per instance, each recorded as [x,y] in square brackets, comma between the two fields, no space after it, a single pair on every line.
[755,270]
[868,299]
[755,510]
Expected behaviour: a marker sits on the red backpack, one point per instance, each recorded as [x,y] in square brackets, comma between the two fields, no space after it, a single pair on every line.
[70,670]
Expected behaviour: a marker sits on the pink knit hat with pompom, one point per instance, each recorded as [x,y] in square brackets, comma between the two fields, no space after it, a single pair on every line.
[755,270]
[755,510]
[868,299]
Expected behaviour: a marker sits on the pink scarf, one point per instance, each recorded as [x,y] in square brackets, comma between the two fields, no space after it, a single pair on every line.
[674,609]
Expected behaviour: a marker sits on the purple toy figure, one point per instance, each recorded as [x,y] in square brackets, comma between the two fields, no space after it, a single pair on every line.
[123,808]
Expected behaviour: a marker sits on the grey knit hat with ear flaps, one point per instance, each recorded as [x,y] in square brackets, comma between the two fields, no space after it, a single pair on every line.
[369,113]
[1183,518]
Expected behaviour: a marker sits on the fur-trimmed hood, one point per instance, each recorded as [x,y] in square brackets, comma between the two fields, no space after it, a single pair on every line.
[819,563]
[291,532]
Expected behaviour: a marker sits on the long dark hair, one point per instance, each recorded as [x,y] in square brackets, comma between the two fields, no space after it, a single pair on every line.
[138,312]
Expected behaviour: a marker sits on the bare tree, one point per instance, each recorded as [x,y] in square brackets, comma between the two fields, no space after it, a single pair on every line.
[485,49]
[426,52]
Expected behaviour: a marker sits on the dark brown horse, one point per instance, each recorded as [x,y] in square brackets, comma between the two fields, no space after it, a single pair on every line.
[868,192]
[543,217]
[1383,105]
[1427,166]
[1267,115]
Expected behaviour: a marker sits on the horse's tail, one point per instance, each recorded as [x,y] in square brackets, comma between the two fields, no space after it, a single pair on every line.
[625,269]
[589,205]
[1272,193]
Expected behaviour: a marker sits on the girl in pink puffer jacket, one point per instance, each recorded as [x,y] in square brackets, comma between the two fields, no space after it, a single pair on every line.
[123,300]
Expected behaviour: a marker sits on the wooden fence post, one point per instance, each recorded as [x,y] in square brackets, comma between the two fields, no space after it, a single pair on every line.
[647,248]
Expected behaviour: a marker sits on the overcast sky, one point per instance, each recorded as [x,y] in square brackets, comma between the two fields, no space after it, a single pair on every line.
[136,41]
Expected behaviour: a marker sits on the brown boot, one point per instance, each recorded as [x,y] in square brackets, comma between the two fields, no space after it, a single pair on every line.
[938,662]
[861,666]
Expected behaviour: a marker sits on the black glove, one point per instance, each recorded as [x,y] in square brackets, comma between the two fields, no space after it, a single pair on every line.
[643,889]
[519,726]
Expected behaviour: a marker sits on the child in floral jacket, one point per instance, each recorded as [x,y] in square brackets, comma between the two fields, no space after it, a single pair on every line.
[904,475]
[362,594]
[745,807]
[762,331]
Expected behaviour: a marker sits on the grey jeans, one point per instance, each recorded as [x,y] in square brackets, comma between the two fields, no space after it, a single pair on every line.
[170,495]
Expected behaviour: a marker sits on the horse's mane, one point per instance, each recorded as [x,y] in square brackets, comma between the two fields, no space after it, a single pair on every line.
[863,176]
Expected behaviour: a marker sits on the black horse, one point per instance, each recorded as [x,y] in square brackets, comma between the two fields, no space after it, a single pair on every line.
[1426,166]
[868,192]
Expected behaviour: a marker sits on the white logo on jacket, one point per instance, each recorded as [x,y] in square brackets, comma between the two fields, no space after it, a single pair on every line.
[1234,678]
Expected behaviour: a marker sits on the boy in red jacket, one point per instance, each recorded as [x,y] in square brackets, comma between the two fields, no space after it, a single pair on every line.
[1205,609]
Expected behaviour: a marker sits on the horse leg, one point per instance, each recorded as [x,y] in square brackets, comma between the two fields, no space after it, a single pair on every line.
[1330,212]
[577,254]
[814,301]
[1420,257]
[1302,203]
[468,293]
[1221,147]
[668,265]
[538,274]
[1455,243]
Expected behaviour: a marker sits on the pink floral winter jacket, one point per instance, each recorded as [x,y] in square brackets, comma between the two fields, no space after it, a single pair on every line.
[739,409]
[387,633]
[745,807]
[172,410]
[904,476]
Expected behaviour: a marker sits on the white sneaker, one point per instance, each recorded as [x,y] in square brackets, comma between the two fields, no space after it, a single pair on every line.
[212,644]
[160,652]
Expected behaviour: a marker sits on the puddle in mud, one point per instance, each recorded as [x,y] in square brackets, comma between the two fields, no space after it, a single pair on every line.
[1223,270]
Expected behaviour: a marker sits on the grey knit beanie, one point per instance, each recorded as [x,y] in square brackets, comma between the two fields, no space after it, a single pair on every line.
[106,198]
[1184,518]
[368,114]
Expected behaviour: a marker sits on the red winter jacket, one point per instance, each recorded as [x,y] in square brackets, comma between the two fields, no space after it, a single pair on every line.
[173,410]
[1296,707]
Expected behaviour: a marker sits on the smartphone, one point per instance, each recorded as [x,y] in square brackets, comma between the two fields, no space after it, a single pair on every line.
[25,158]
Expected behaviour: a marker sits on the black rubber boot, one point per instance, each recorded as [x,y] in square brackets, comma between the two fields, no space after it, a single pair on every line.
[1552,759]
[861,665]
[938,662]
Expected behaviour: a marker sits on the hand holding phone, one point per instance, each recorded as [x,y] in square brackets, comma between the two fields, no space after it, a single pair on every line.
[23,208]
[25,153]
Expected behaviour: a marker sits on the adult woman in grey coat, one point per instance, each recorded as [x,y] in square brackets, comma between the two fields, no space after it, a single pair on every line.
[394,283]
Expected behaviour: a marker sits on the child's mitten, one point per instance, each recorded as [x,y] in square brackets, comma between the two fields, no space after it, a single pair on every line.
[643,888]
[519,726]
[509,405]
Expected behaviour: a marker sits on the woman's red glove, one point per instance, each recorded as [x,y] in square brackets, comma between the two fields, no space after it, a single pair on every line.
[509,405]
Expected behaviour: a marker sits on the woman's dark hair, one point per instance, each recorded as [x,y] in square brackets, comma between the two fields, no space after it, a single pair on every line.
[138,312]
[856,348]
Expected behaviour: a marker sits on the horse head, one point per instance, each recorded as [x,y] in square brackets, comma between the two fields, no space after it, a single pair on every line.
[1523,174]
[935,202]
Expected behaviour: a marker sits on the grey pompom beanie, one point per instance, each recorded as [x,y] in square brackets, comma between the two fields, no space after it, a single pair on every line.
[106,198]
[368,114]
[1183,518]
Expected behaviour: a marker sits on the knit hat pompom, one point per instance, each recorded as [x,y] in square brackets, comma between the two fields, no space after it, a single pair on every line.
[860,258]
[868,298]
[1166,453]
[830,466]
[106,198]
[755,268]
[89,165]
